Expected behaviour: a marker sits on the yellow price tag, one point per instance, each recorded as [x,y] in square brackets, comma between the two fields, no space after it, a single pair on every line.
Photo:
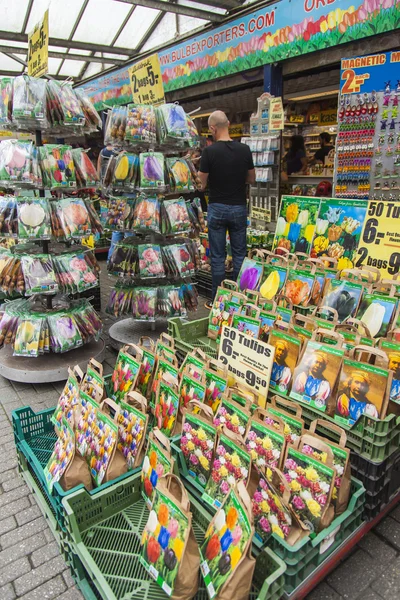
[146,81]
[38,48]
[88,241]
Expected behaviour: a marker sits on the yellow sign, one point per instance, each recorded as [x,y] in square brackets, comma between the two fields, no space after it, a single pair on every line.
[276,114]
[146,81]
[327,117]
[296,119]
[380,239]
[248,360]
[38,48]
[262,214]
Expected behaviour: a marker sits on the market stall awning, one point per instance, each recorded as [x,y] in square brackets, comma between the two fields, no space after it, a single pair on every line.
[89,36]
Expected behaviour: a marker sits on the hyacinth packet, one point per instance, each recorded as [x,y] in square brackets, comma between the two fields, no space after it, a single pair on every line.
[311,484]
[225,543]
[197,445]
[232,416]
[62,454]
[231,464]
[156,463]
[266,446]
[163,541]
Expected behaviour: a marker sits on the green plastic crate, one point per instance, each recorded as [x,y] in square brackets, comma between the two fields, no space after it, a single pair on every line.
[192,334]
[373,439]
[105,532]
[35,438]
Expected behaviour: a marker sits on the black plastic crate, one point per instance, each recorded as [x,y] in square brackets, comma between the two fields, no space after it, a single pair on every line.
[381,481]
[203,283]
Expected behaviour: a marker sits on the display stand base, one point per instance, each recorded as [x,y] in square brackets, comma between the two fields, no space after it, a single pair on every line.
[50,367]
[129,331]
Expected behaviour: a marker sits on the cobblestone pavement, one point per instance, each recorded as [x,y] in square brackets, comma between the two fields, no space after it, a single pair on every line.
[31,567]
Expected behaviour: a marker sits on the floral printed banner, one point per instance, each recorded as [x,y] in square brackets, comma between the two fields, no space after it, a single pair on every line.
[271,34]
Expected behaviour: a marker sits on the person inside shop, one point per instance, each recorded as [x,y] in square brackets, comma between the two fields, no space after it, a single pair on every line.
[226,167]
[353,402]
[281,374]
[323,151]
[195,156]
[313,383]
[295,160]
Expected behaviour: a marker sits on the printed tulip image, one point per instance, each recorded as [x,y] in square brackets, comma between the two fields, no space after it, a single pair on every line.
[250,275]
[197,445]
[155,465]
[296,224]
[124,375]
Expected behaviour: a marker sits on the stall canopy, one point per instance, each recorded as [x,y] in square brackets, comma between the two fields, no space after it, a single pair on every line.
[89,36]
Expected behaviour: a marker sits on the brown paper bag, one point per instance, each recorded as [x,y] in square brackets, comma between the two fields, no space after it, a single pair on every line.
[117,464]
[187,580]
[77,472]
[341,462]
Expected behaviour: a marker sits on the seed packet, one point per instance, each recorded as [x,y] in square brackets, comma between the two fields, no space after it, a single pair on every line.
[152,171]
[377,312]
[166,408]
[6,92]
[33,218]
[63,453]
[27,337]
[231,464]
[60,166]
[180,178]
[392,350]
[126,171]
[86,416]
[150,261]
[246,325]
[272,281]
[141,124]
[74,218]
[157,462]
[215,388]
[197,445]
[250,274]
[124,376]
[29,102]
[343,296]
[146,214]
[287,351]
[64,332]
[232,416]
[39,274]
[132,426]
[102,446]
[308,500]
[116,126]
[144,303]
[362,390]
[264,442]
[316,375]
[85,171]
[225,548]
[299,287]
[190,389]
[177,217]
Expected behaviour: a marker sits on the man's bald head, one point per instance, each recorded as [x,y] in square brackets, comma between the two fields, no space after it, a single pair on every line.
[218,119]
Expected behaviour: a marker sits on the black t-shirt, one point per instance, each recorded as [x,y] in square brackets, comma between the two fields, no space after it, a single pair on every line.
[293,161]
[322,152]
[227,164]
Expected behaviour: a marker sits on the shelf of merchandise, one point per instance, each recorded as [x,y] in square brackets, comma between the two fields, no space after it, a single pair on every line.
[340,553]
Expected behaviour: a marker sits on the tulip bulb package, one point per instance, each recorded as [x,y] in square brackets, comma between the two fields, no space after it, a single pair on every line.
[299,287]
[33,218]
[295,227]
[197,445]
[216,385]
[190,389]
[124,375]
[232,416]
[166,409]
[132,425]
[86,416]
[156,463]
[250,275]
[392,350]
[377,312]
[152,171]
[61,456]
[273,281]
[287,351]
[102,446]
[344,296]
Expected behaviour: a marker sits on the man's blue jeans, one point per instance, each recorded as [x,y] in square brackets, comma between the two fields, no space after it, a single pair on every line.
[223,218]
[116,237]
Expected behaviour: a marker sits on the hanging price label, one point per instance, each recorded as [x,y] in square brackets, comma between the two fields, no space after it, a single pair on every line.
[146,81]
[380,239]
[38,48]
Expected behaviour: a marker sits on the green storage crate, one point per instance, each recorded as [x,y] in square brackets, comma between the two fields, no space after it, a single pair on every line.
[192,334]
[35,438]
[105,533]
[373,439]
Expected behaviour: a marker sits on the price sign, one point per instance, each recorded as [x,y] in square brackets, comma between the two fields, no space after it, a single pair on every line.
[38,48]
[146,81]
[261,214]
[248,360]
[276,114]
[380,238]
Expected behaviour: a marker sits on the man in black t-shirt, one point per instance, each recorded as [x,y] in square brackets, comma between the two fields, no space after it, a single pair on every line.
[227,167]
[326,147]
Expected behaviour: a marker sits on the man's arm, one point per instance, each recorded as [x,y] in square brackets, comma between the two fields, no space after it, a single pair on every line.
[251,176]
[203,180]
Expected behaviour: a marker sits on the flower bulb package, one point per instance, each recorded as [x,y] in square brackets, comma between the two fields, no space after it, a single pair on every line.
[103,450]
[39,274]
[299,286]
[377,312]
[58,166]
[166,408]
[141,124]
[179,175]
[226,563]
[344,296]
[216,385]
[265,443]
[64,332]
[295,226]
[287,352]
[190,389]
[147,370]
[28,336]
[157,462]
[197,445]
[29,102]
[234,467]
[6,93]
[150,261]
[86,413]
[126,171]
[73,217]
[18,164]
[71,107]
[33,218]
[93,382]
[116,126]
[144,303]
[124,375]
[132,427]
[62,454]
[177,216]
[174,122]
[293,423]
[233,416]
[146,214]
[85,171]
[68,400]
[152,171]
[250,275]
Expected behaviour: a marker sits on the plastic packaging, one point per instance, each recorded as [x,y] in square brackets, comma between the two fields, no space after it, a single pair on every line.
[29,102]
[56,160]
[73,217]
[6,94]
[141,124]
[126,171]
[144,303]
[180,178]
[116,126]
[39,274]
[73,113]
[150,261]
[174,121]
[33,218]
[177,216]
[15,163]
[152,171]
[146,214]
[85,172]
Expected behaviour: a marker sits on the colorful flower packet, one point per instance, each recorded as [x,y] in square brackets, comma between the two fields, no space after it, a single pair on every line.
[28,336]
[311,484]
[144,303]
[141,124]
[126,172]
[132,427]
[194,363]
[265,443]
[64,332]
[63,453]
[344,296]
[39,274]
[293,424]
[232,416]
[157,462]
[146,372]
[150,261]
[16,164]
[116,126]
[250,274]
[295,226]
[164,540]
[226,543]
[33,218]
[272,281]
[93,381]
[197,445]
[124,376]
[85,417]
[102,446]
[57,162]
[180,178]
[231,464]
[68,400]
[190,389]
[377,311]
[6,92]
[85,171]
[173,122]
[216,385]
[177,216]
[166,408]
[287,352]
[299,286]
[152,171]
[146,214]
[73,217]
[29,102]
[246,325]
[271,514]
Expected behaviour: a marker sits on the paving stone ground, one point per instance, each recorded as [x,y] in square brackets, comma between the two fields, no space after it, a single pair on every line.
[31,567]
